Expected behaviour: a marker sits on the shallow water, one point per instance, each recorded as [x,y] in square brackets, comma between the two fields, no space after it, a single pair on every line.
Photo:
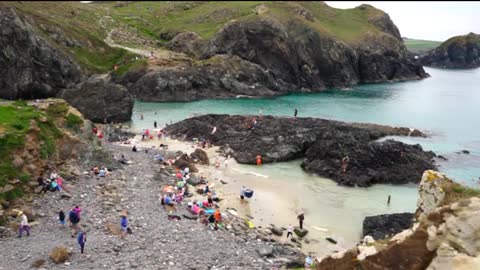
[446,106]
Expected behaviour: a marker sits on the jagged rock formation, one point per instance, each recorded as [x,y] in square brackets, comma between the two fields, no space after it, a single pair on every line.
[31,67]
[382,226]
[100,101]
[271,55]
[445,236]
[456,52]
[321,143]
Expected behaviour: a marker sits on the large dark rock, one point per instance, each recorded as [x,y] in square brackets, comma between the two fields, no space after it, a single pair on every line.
[322,144]
[456,52]
[31,68]
[100,101]
[382,226]
[201,156]
[266,57]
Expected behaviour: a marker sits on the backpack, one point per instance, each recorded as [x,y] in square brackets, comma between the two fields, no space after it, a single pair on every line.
[73,217]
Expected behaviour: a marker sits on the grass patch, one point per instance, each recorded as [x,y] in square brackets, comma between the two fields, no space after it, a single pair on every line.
[419,45]
[465,191]
[101,62]
[12,195]
[57,109]
[25,177]
[135,65]
[73,122]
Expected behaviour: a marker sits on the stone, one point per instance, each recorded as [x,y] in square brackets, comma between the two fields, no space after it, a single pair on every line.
[201,156]
[38,263]
[113,229]
[300,232]
[265,250]
[59,254]
[276,231]
[17,162]
[381,226]
[431,193]
[7,188]
[65,195]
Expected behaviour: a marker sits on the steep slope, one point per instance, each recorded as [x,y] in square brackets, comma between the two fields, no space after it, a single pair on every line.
[303,46]
[456,52]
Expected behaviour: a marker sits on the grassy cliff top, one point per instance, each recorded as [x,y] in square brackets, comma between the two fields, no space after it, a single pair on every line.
[420,45]
[471,38]
[148,22]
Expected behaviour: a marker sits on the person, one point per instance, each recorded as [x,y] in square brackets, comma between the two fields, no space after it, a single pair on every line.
[242,192]
[147,133]
[207,189]
[158,157]
[134,148]
[289,230]
[159,134]
[102,172]
[74,218]
[59,182]
[123,159]
[61,218]
[214,130]
[94,130]
[217,163]
[308,262]
[53,175]
[295,113]
[141,116]
[217,215]
[143,134]
[42,183]
[259,159]
[82,239]
[155,124]
[96,170]
[300,218]
[53,185]
[23,225]
[124,224]
[345,163]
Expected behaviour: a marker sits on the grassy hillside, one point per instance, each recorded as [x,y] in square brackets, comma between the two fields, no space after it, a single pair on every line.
[420,45]
[149,24]
[462,40]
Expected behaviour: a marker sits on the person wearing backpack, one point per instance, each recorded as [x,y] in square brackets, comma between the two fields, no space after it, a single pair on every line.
[124,224]
[74,219]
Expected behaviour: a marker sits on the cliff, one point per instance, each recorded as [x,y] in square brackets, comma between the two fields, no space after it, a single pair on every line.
[444,236]
[456,52]
[201,49]
[321,143]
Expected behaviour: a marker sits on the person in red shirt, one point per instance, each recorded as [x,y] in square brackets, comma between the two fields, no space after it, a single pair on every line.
[94,130]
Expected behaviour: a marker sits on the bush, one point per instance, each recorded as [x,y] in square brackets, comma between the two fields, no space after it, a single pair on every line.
[73,121]
[25,177]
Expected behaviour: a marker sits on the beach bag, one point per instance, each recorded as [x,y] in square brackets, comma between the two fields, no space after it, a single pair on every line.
[248,193]
[73,217]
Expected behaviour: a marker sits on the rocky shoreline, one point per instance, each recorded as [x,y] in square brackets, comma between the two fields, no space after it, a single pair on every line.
[156,242]
[321,143]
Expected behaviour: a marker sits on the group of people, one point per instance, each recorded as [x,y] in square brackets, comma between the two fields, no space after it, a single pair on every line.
[53,183]
[100,172]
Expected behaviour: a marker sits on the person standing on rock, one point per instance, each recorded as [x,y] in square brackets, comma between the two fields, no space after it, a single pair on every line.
[82,239]
[289,231]
[23,225]
[300,218]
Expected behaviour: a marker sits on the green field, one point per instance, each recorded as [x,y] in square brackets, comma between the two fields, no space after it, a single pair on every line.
[420,45]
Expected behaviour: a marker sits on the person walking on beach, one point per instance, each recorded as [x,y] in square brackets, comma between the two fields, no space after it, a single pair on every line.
[82,239]
[289,231]
[61,218]
[300,218]
[124,224]
[23,225]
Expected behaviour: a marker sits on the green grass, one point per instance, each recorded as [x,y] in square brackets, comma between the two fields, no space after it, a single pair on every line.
[416,45]
[468,192]
[25,177]
[133,65]
[90,59]
[73,122]
[14,125]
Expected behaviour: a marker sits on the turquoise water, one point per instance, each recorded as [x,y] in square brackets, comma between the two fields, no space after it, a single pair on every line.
[446,106]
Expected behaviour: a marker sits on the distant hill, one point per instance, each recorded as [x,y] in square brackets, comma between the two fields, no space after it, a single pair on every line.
[420,46]
[456,52]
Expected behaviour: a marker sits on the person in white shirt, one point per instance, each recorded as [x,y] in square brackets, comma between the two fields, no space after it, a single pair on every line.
[290,231]
[23,225]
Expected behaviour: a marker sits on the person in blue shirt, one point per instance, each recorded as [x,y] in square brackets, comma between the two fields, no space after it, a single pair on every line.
[124,225]
[82,239]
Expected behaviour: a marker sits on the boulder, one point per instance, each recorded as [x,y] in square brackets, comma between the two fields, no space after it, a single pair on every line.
[100,100]
[113,229]
[300,232]
[38,263]
[59,254]
[200,156]
[265,250]
[276,231]
[382,226]
[35,68]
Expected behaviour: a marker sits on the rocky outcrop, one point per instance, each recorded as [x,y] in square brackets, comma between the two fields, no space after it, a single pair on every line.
[457,52]
[445,237]
[59,254]
[100,101]
[35,69]
[382,226]
[268,56]
[222,76]
[321,143]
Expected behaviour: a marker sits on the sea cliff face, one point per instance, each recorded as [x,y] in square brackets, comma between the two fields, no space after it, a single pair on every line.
[444,236]
[456,52]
